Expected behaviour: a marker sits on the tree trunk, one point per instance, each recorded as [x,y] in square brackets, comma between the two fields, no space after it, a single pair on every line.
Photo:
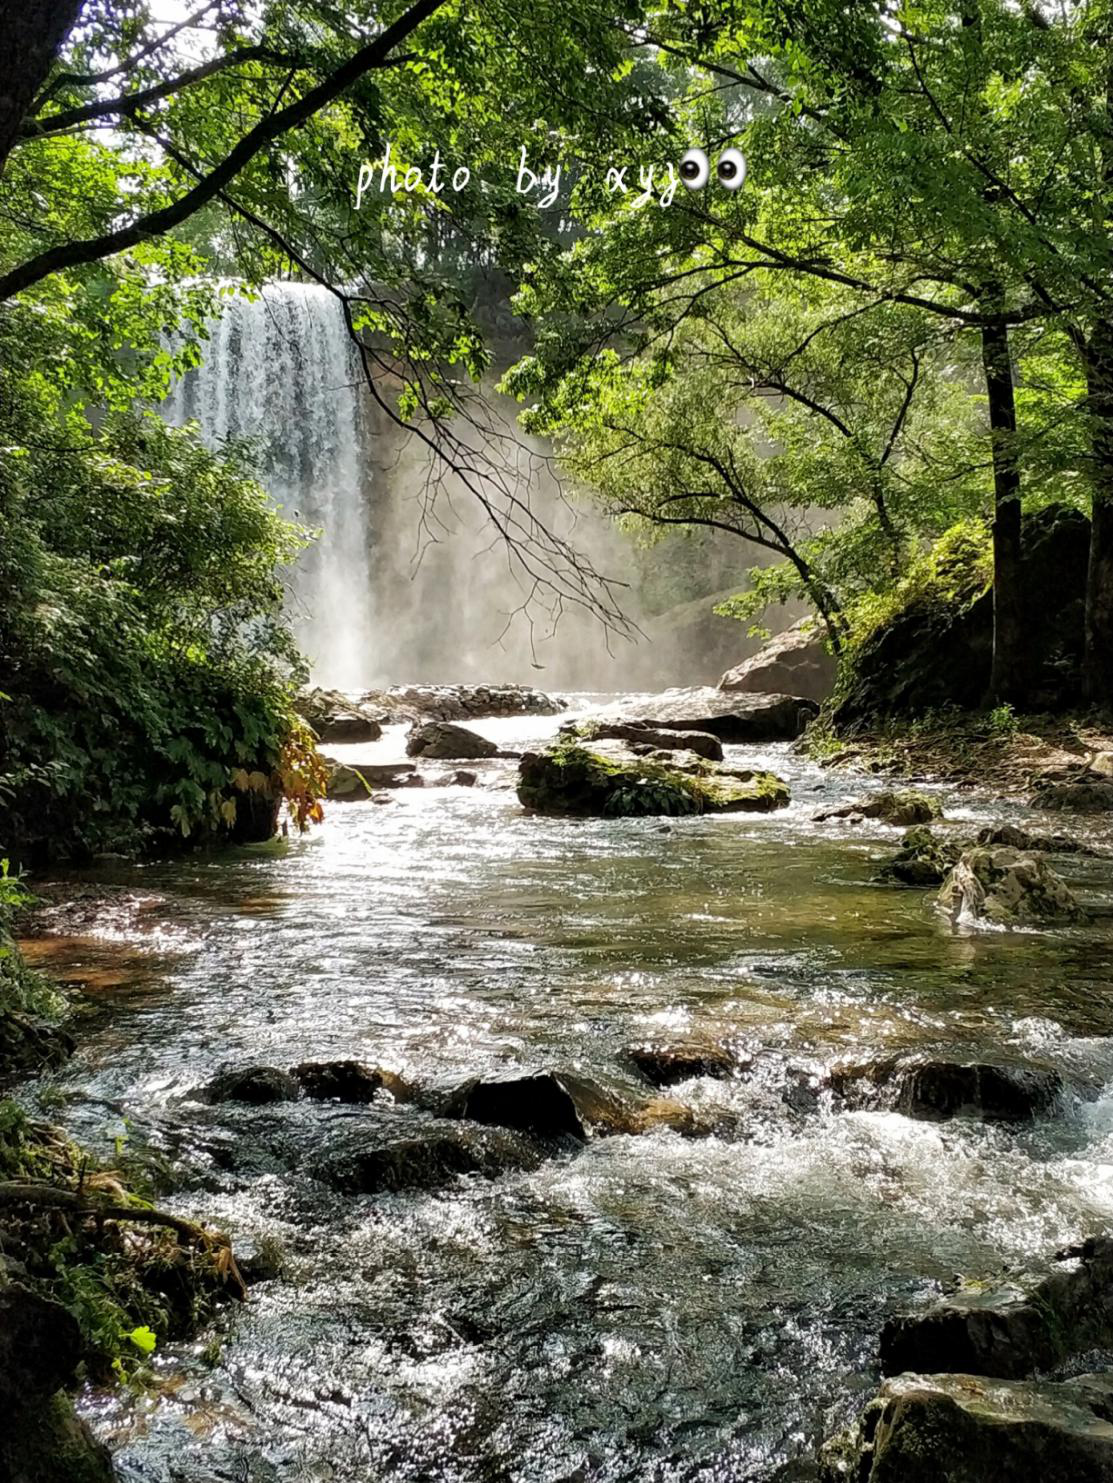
[1008,680]
[33,32]
[1098,668]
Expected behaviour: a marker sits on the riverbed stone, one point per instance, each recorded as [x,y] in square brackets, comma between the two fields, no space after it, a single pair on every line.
[732,717]
[348,1081]
[1012,1327]
[334,717]
[1016,838]
[351,782]
[255,1085]
[601,782]
[795,662]
[1083,797]
[702,743]
[1006,887]
[441,739]
[959,1428]
[937,1088]
[666,1064]
[924,858]
[899,806]
[550,1105]
[428,1160]
[462,702]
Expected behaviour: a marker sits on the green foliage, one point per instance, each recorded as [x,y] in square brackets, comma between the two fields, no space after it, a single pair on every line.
[952,574]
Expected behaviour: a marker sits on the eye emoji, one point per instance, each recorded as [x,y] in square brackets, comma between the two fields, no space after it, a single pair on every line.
[695,170]
[731,169]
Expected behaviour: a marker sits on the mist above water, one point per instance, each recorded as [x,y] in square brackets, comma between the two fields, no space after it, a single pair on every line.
[409,579]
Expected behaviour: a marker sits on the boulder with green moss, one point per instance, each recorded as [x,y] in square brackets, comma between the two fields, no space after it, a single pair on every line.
[924,859]
[899,806]
[570,779]
[1007,888]
[967,1429]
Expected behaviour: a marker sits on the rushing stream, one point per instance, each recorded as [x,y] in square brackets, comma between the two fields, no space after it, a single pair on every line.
[655,1307]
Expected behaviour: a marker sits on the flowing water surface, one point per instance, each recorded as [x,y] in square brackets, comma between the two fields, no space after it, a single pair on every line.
[655,1307]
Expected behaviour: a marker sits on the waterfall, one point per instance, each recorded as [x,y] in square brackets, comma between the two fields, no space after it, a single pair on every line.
[282,370]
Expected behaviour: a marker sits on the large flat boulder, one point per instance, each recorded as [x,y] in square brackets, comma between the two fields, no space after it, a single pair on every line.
[1030,1321]
[938,1088]
[968,1429]
[637,734]
[334,716]
[795,662]
[462,702]
[573,780]
[730,717]
[351,782]
[441,739]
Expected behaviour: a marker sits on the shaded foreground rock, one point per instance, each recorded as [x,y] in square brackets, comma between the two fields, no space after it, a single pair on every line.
[1032,1321]
[428,1160]
[937,1089]
[444,739]
[730,717]
[795,662]
[41,1437]
[702,743]
[924,859]
[967,1429]
[569,779]
[1005,887]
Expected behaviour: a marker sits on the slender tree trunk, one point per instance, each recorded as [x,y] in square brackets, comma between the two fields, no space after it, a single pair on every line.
[31,33]
[1008,680]
[1098,662]
[1098,668]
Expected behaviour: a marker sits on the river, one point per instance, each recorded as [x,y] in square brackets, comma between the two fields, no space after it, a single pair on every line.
[657,1307]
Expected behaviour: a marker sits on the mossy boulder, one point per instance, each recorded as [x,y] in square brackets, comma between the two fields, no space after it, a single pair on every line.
[968,1429]
[1007,888]
[642,734]
[570,779]
[899,806]
[924,859]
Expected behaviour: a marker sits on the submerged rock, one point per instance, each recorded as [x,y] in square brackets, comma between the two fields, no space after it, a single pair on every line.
[924,859]
[730,717]
[665,1065]
[428,1160]
[702,743]
[569,779]
[795,662]
[348,1081]
[444,739]
[967,1429]
[550,1105]
[256,1085]
[1006,887]
[937,1089]
[355,781]
[1031,1321]
[901,806]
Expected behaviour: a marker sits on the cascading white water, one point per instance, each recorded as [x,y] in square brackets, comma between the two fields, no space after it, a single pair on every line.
[282,370]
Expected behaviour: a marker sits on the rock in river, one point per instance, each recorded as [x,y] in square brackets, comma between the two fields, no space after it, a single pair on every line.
[351,782]
[1006,887]
[445,739]
[795,662]
[967,1429]
[570,779]
[427,1160]
[702,743]
[665,1065]
[936,1089]
[924,859]
[348,1081]
[550,1105]
[900,806]
[731,717]
[1031,1321]
[333,717]
[256,1085]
